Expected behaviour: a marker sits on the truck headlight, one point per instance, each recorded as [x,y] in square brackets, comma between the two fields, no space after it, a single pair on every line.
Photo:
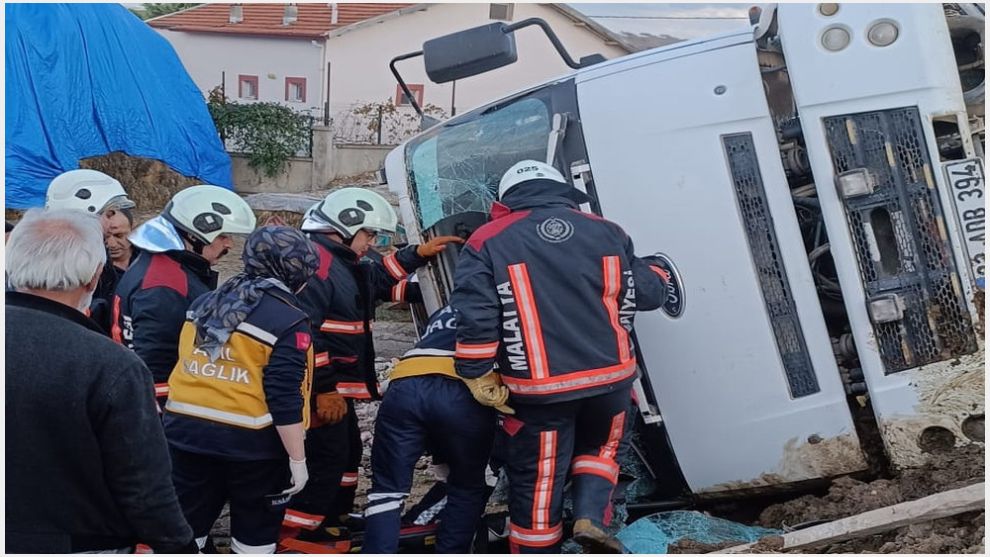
[828,10]
[882,33]
[835,39]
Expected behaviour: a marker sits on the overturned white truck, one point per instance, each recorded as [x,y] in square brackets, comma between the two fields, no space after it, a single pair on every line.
[816,182]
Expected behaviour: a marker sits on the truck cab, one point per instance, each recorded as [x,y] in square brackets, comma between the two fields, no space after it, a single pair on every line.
[815,186]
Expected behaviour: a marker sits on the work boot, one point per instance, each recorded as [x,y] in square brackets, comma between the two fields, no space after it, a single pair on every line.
[595,540]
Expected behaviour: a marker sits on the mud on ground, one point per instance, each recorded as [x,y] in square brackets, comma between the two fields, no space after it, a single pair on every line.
[847,496]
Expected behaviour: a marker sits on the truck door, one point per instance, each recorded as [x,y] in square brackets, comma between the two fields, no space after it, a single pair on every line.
[684,156]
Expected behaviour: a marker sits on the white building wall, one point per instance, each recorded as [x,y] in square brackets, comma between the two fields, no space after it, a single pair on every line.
[207,56]
[359,58]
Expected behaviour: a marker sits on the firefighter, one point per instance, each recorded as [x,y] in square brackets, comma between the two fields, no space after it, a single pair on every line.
[179,247]
[428,405]
[95,193]
[548,294]
[341,301]
[238,400]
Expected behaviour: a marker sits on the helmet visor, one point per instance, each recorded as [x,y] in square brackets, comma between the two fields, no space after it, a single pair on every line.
[118,202]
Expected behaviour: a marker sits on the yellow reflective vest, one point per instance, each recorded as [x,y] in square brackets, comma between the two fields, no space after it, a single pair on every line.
[231,389]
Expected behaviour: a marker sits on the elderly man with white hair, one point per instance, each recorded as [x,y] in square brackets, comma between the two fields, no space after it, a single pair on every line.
[87,463]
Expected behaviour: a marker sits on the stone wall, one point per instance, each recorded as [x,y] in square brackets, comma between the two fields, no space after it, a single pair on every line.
[329,162]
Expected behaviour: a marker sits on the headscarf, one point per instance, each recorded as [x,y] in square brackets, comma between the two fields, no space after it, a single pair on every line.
[274,257]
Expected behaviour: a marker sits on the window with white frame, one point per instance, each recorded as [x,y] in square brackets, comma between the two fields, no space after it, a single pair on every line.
[295,89]
[247,87]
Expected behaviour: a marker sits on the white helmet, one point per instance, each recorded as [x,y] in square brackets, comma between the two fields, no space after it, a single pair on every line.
[348,210]
[525,171]
[205,212]
[86,190]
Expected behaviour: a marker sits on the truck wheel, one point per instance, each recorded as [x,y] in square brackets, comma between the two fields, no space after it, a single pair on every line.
[967,32]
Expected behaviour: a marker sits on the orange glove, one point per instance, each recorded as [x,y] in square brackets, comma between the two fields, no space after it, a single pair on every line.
[330,407]
[436,245]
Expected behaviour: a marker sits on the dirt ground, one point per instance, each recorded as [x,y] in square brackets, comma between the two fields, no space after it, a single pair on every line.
[846,496]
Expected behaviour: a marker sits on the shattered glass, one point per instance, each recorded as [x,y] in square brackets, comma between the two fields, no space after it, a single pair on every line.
[457,168]
[654,533]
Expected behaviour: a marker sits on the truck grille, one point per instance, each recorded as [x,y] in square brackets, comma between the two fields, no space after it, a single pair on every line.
[763,246]
[900,238]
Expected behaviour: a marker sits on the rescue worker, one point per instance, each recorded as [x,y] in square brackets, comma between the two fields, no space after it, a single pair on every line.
[548,294]
[95,193]
[426,404]
[341,301]
[238,401]
[179,247]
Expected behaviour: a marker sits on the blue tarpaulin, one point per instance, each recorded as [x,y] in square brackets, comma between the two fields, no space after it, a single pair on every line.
[657,532]
[84,80]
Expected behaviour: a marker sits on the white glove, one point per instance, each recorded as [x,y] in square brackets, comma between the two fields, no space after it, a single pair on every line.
[300,475]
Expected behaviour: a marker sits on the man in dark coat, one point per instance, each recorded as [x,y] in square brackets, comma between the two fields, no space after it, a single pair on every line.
[87,464]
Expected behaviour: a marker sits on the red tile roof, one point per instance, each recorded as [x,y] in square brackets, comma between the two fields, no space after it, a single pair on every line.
[266,19]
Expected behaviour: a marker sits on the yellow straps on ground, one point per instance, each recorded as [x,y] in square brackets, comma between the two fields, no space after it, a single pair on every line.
[424,365]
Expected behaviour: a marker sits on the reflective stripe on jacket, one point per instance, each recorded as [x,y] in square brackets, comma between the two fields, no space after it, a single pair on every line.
[549,293]
[340,300]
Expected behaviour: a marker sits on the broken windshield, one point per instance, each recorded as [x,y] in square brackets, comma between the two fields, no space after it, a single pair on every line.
[457,168]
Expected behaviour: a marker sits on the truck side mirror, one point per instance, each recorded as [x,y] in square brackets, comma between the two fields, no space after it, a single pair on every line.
[468,53]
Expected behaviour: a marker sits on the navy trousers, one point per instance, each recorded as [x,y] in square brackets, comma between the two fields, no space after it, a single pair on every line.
[333,455]
[545,443]
[437,412]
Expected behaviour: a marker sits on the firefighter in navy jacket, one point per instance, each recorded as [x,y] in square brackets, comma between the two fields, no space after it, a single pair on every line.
[341,301]
[178,248]
[547,294]
[238,401]
[427,405]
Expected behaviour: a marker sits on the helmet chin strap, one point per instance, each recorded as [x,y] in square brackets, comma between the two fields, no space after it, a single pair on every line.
[196,243]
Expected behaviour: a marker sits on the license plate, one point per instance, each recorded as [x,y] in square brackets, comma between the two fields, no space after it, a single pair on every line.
[968,187]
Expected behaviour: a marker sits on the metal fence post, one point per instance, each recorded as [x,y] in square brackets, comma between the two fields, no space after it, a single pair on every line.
[380,124]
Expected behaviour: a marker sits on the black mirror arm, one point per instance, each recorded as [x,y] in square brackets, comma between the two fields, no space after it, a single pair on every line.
[550,35]
[402,83]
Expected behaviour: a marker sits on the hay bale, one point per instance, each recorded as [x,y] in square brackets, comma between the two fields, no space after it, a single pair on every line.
[289,218]
[12,215]
[149,182]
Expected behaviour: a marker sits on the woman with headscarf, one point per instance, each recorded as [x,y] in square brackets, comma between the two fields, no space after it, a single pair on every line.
[238,401]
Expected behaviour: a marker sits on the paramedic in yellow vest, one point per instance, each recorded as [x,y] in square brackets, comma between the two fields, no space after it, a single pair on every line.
[238,402]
